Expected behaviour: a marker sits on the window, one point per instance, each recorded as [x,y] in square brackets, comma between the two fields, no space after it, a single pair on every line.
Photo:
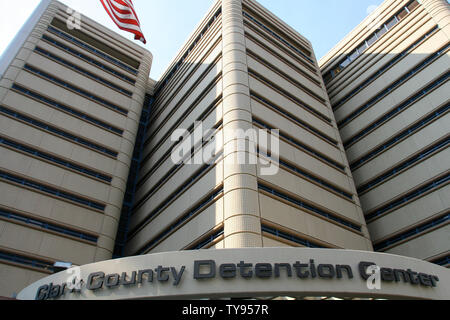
[362,48]
[345,63]
[412,6]
[381,32]
[372,39]
[391,23]
[402,14]
[354,55]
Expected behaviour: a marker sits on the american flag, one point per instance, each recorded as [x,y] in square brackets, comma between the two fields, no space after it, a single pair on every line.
[123,14]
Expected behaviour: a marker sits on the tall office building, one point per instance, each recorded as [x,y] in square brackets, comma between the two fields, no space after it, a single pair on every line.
[244,69]
[388,84]
[70,104]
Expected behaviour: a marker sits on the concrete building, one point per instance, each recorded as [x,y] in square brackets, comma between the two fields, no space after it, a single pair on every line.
[88,171]
[388,84]
[70,104]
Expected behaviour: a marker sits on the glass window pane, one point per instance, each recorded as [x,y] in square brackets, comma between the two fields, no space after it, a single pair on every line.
[391,23]
[412,5]
[402,14]
[354,55]
[345,63]
[372,39]
[381,32]
[362,48]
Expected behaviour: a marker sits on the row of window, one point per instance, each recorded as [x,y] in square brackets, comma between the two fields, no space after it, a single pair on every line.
[88,59]
[81,70]
[54,159]
[406,164]
[175,194]
[65,108]
[410,233]
[279,38]
[399,137]
[439,182]
[48,226]
[300,145]
[91,49]
[289,96]
[393,86]
[442,261]
[204,242]
[77,90]
[293,118]
[309,207]
[172,72]
[373,38]
[57,131]
[295,82]
[29,262]
[130,192]
[315,179]
[384,68]
[50,190]
[205,203]
[284,235]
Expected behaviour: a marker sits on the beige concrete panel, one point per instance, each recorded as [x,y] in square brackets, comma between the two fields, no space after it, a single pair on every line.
[288,86]
[62,95]
[393,126]
[219,245]
[185,124]
[309,225]
[78,80]
[406,181]
[239,224]
[85,65]
[243,240]
[413,213]
[271,243]
[426,246]
[20,131]
[440,12]
[91,158]
[276,120]
[15,161]
[194,229]
[13,279]
[291,107]
[320,197]
[402,151]
[240,181]
[395,97]
[207,183]
[175,211]
[276,62]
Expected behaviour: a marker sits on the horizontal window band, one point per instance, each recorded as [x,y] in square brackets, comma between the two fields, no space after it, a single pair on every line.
[301,145]
[412,195]
[172,72]
[66,109]
[284,60]
[287,236]
[309,207]
[166,155]
[82,71]
[315,179]
[294,118]
[404,165]
[194,178]
[442,261]
[412,232]
[54,130]
[75,89]
[382,94]
[276,36]
[289,96]
[84,57]
[206,202]
[205,241]
[52,191]
[399,137]
[45,225]
[371,40]
[91,49]
[385,67]
[28,262]
[286,77]
[53,159]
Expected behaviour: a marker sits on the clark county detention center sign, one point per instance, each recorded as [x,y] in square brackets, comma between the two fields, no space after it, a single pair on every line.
[234,273]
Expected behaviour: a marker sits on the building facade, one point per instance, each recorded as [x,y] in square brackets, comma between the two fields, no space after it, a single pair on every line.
[70,104]
[88,168]
[388,84]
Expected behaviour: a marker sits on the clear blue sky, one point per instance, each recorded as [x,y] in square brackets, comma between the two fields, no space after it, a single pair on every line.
[168,23]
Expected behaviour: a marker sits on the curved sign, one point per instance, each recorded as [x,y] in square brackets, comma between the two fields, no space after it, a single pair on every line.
[261,272]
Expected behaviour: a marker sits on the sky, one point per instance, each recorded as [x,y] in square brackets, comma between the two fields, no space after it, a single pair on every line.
[167,24]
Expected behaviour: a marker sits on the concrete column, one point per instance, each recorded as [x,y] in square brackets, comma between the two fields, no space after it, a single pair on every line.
[241,201]
[440,12]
